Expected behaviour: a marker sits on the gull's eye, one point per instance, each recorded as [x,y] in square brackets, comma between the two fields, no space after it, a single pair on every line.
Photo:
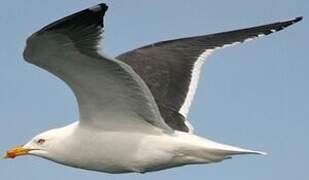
[40,141]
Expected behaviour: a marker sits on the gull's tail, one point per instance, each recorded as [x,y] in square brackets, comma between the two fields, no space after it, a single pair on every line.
[207,151]
[232,150]
[217,152]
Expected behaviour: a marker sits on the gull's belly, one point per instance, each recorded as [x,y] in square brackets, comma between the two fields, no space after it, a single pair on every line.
[133,151]
[120,152]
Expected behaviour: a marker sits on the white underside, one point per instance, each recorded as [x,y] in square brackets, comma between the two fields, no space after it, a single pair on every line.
[135,151]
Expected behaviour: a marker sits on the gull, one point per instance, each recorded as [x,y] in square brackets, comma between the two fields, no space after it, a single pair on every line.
[133,108]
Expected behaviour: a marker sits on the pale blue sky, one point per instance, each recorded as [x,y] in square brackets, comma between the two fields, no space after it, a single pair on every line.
[254,95]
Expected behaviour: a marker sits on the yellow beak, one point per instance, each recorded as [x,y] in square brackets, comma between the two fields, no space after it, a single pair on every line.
[16,151]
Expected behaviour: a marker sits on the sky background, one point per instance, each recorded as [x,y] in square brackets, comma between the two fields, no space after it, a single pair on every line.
[253,95]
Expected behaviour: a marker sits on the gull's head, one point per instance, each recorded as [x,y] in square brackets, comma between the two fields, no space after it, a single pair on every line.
[42,145]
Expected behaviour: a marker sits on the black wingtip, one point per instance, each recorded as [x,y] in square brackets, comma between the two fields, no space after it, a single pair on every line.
[99,7]
[91,16]
[297,19]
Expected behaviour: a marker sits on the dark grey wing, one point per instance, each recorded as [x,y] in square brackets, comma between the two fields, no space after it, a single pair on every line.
[171,68]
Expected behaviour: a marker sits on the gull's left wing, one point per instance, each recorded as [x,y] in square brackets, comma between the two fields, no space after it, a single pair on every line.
[171,68]
[110,94]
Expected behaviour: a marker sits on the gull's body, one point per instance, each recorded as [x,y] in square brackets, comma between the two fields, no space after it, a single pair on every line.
[132,108]
[132,150]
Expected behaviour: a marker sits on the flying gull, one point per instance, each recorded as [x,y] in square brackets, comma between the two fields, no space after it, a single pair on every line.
[133,108]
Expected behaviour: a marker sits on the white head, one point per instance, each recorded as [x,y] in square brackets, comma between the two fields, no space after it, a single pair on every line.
[47,145]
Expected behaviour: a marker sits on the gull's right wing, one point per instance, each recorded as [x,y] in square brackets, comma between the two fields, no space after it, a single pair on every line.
[110,95]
